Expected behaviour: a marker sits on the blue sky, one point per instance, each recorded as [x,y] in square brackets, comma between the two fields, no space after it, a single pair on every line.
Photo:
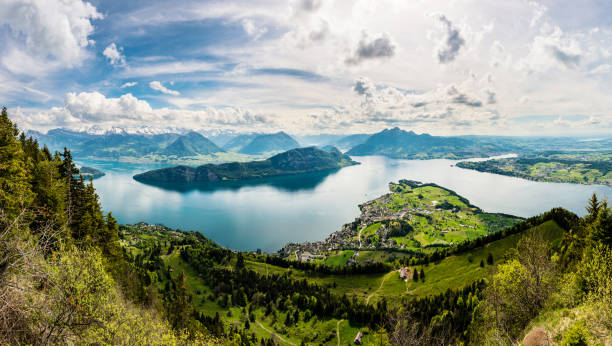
[309,66]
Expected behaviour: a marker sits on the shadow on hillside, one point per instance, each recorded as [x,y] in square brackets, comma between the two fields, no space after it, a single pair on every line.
[289,183]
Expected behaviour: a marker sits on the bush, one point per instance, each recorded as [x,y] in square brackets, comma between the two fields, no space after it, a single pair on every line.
[577,335]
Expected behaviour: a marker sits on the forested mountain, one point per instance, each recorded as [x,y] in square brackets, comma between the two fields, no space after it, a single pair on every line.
[191,144]
[267,143]
[397,143]
[294,161]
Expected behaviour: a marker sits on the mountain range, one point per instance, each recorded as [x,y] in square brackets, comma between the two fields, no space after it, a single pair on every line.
[397,143]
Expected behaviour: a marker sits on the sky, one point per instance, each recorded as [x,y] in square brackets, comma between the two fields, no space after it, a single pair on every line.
[309,66]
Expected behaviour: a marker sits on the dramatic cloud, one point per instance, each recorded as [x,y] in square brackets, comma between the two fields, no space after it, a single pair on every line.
[128,85]
[452,43]
[157,85]
[372,48]
[85,109]
[114,55]
[51,33]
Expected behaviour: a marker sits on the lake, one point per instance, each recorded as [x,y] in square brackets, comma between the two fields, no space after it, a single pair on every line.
[266,214]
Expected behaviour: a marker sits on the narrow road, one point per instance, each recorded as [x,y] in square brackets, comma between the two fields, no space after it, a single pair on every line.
[338,331]
[379,287]
[273,333]
[296,257]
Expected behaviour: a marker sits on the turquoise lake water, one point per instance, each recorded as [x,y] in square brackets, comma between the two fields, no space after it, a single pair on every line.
[266,214]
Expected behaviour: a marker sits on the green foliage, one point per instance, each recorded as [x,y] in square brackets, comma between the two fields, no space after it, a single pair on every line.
[576,335]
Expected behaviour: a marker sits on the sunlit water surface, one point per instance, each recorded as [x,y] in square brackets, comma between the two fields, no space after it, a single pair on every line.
[270,213]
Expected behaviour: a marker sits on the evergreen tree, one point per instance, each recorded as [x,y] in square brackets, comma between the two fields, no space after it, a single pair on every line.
[490,259]
[601,227]
[482,263]
[15,192]
[592,208]
[422,275]
[415,275]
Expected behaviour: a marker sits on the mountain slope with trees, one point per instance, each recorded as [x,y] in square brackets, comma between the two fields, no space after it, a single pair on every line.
[294,161]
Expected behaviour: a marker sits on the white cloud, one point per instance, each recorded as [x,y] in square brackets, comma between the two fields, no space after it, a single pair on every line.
[129,84]
[113,54]
[87,109]
[166,68]
[157,85]
[50,34]
[252,29]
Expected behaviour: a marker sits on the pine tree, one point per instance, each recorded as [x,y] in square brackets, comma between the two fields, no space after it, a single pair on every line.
[482,263]
[601,227]
[415,275]
[592,208]
[422,275]
[490,259]
[15,191]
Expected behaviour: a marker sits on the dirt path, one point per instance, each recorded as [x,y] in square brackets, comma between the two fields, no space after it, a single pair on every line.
[273,333]
[338,331]
[359,236]
[296,256]
[379,287]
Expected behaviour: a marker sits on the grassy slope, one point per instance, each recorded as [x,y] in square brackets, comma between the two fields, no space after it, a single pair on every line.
[452,272]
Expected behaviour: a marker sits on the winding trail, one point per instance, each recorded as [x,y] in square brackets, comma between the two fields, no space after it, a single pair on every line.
[296,256]
[379,287]
[338,331]
[273,333]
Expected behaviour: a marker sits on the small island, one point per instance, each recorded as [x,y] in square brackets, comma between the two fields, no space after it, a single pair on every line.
[90,172]
[294,161]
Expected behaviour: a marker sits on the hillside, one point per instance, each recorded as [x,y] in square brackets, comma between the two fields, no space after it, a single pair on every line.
[415,217]
[350,141]
[559,167]
[397,143]
[267,143]
[239,142]
[294,161]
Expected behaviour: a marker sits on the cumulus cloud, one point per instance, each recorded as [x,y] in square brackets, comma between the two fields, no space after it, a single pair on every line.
[460,105]
[157,85]
[51,33]
[552,50]
[128,85]
[452,42]
[113,54]
[86,109]
[371,48]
